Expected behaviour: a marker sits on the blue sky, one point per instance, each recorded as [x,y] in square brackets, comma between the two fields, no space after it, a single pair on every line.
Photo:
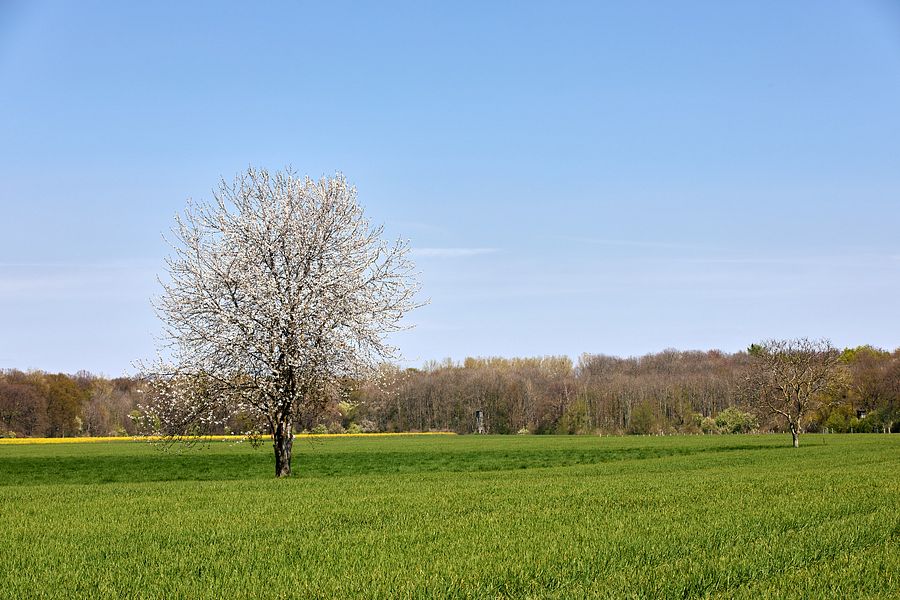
[575,177]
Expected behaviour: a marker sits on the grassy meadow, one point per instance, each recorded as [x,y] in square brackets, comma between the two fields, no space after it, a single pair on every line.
[456,516]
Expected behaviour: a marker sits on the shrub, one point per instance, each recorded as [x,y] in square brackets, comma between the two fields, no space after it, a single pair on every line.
[869,424]
[643,420]
[691,424]
[575,419]
[368,426]
[840,420]
[732,420]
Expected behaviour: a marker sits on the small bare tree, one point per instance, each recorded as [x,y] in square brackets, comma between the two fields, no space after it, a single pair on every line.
[792,378]
[277,288]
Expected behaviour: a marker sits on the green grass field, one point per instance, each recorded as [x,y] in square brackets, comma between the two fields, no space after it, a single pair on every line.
[475,517]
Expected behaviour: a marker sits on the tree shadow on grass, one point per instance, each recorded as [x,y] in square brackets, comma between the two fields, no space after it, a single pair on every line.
[319,461]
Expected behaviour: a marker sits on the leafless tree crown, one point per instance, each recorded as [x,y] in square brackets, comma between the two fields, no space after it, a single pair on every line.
[792,378]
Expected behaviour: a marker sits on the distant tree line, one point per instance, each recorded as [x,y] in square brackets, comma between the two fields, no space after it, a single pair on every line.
[38,404]
[667,392]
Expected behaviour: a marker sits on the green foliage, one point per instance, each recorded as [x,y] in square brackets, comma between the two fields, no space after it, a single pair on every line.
[851,355]
[709,425]
[841,419]
[870,424]
[347,411]
[462,517]
[732,420]
[692,423]
[575,419]
[886,419]
[319,429]
[643,420]
[64,400]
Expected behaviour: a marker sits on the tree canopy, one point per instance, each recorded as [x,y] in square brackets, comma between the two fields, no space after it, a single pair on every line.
[277,289]
[793,378]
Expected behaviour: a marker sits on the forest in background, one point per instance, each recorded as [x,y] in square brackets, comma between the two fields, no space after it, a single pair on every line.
[663,393]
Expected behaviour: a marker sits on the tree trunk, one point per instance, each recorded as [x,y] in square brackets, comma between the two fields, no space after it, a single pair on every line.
[283,442]
[795,433]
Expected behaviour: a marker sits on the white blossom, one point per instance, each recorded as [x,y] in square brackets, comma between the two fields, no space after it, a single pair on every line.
[276,288]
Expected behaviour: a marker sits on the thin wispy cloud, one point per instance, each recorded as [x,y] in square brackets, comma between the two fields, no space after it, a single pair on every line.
[452,252]
[832,260]
[59,279]
[82,266]
[627,243]
[759,261]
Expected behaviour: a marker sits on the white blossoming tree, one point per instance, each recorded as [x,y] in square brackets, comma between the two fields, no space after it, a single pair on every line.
[276,290]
